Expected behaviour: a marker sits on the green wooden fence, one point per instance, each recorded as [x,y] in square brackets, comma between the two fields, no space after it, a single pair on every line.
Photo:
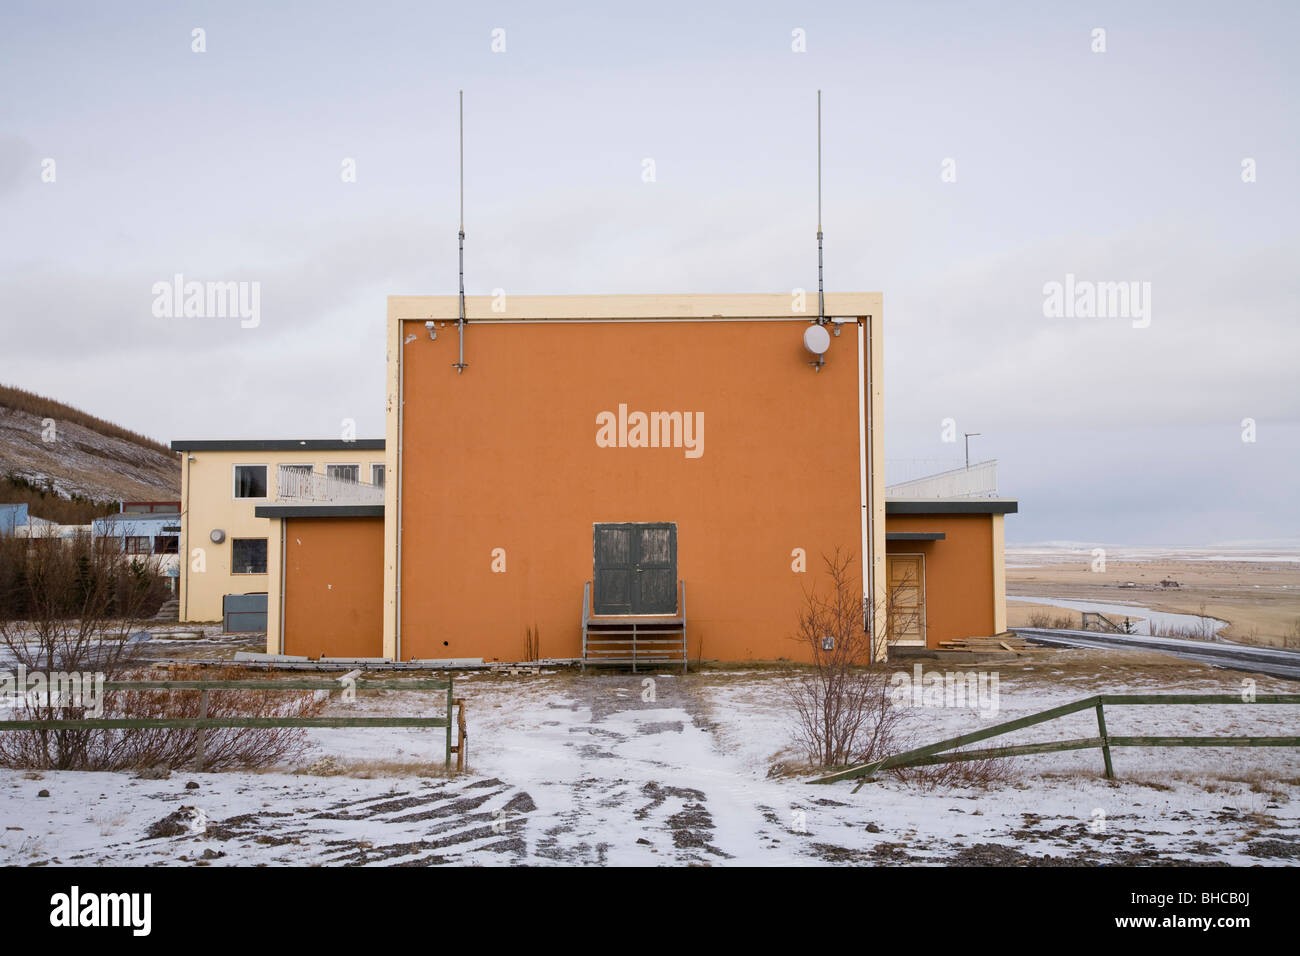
[203,722]
[936,753]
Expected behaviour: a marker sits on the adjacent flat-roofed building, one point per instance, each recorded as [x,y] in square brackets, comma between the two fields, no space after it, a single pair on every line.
[226,549]
[946,568]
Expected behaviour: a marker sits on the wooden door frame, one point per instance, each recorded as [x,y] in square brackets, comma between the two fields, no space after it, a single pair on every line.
[923,642]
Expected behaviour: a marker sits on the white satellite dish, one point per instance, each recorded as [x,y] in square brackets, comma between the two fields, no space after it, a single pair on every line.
[816,339]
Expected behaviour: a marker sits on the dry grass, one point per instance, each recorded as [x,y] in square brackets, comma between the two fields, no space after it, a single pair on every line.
[376,769]
[22,400]
[1046,619]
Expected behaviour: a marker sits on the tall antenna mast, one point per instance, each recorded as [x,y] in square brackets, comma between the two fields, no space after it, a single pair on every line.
[821,309]
[460,366]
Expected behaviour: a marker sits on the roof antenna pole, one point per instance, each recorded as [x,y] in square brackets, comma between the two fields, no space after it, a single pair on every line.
[821,310]
[460,324]
[821,303]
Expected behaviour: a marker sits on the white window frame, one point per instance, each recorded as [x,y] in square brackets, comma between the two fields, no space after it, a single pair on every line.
[234,480]
[383,466]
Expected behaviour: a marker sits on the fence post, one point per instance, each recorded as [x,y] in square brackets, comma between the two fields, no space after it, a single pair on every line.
[462,735]
[203,731]
[450,681]
[1105,740]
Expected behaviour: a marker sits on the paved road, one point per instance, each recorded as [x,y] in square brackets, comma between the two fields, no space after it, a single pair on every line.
[1259,660]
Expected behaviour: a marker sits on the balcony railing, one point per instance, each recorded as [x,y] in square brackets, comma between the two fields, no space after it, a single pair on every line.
[298,485]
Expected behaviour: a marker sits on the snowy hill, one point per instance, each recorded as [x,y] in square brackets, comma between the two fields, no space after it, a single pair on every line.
[49,444]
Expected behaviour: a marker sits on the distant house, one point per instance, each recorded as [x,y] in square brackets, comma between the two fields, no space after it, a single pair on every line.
[18,522]
[153,537]
[11,517]
[150,507]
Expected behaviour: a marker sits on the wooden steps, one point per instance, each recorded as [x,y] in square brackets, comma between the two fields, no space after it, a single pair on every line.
[634,640]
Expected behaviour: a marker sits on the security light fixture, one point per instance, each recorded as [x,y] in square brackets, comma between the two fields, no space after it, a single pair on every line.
[432,326]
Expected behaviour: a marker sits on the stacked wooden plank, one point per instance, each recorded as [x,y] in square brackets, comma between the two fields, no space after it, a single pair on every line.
[1006,641]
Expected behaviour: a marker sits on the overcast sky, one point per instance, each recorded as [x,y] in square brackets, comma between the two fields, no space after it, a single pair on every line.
[973,153]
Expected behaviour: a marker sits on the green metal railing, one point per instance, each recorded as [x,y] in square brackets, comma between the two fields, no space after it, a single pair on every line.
[203,722]
[935,753]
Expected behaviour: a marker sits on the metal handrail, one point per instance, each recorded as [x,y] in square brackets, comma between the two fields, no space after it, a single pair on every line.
[294,484]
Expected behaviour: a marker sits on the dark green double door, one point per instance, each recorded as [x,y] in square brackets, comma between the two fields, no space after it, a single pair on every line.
[635,569]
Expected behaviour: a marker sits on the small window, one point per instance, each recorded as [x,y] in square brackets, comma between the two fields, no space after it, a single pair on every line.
[250,481]
[343,472]
[248,556]
[136,544]
[377,475]
[166,544]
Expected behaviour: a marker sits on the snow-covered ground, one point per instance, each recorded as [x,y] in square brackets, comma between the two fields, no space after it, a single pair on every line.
[571,770]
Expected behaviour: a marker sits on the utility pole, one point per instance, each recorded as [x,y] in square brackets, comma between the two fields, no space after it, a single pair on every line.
[969,436]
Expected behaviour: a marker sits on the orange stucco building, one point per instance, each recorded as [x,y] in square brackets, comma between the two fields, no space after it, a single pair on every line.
[570,475]
[629,457]
[945,568]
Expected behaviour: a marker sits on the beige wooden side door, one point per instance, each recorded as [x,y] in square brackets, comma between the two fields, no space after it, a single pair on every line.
[906,598]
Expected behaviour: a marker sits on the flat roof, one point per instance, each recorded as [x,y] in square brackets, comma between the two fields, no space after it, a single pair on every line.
[915,536]
[951,506]
[739,306]
[319,511]
[129,516]
[279,444]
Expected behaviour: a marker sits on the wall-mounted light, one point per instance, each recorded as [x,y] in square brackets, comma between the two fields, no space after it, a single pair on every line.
[432,327]
[217,536]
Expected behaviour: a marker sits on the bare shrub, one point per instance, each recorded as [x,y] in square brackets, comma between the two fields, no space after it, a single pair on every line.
[847,709]
[984,772]
[1044,619]
[842,703]
[71,606]
[224,748]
